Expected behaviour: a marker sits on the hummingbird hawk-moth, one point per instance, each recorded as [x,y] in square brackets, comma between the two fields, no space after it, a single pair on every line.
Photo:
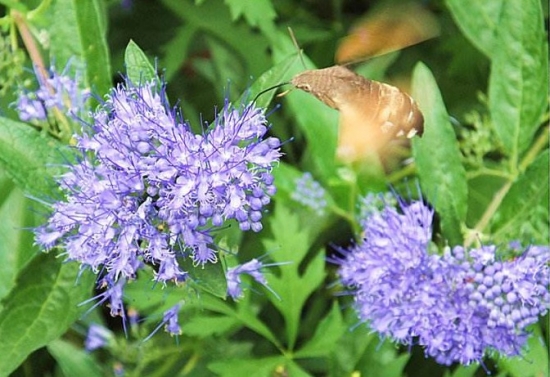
[372,114]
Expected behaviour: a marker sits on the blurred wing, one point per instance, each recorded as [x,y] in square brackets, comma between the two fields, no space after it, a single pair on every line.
[390,28]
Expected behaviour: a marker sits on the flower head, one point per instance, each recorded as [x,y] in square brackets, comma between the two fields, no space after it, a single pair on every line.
[458,305]
[97,337]
[147,190]
[58,91]
[310,193]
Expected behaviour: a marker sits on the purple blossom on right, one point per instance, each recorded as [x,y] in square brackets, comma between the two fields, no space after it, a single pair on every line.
[458,306]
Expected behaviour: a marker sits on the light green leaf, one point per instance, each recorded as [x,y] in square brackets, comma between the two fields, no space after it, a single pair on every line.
[80,32]
[518,85]
[74,361]
[528,193]
[256,13]
[260,367]
[41,307]
[478,21]
[274,76]
[326,336]
[289,246]
[532,363]
[437,157]
[30,157]
[138,67]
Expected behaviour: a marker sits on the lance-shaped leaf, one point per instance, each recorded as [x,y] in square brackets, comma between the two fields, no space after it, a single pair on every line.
[437,157]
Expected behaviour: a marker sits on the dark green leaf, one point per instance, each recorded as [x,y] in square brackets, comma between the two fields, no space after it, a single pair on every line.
[518,85]
[478,21]
[138,67]
[326,336]
[526,203]
[289,246]
[436,153]
[74,361]
[29,157]
[41,307]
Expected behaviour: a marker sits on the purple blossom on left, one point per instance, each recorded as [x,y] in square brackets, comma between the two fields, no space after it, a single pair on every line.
[147,190]
[58,91]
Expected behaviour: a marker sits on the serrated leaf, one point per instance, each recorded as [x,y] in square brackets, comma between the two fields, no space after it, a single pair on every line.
[478,21]
[326,336]
[74,361]
[80,32]
[256,13]
[289,246]
[29,157]
[42,306]
[210,277]
[526,194]
[518,85]
[437,157]
[138,67]
[204,325]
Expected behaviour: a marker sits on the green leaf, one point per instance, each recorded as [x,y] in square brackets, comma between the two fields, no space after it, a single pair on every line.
[326,336]
[29,157]
[289,246]
[210,277]
[260,367]
[274,76]
[80,32]
[138,67]
[318,122]
[519,206]
[16,239]
[532,363]
[256,13]
[478,21]
[74,361]
[41,307]
[203,325]
[437,157]
[518,85]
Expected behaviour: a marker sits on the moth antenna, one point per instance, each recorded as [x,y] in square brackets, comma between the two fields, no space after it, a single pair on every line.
[270,88]
[295,42]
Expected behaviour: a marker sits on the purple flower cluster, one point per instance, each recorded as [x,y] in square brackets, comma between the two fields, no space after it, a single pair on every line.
[59,91]
[310,193]
[147,190]
[458,305]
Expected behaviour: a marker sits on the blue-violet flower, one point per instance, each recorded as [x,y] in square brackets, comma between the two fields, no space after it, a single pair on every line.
[458,305]
[147,190]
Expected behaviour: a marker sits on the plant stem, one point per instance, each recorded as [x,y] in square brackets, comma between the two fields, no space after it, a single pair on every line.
[538,145]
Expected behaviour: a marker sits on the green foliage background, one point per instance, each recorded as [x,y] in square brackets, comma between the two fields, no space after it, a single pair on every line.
[482,162]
